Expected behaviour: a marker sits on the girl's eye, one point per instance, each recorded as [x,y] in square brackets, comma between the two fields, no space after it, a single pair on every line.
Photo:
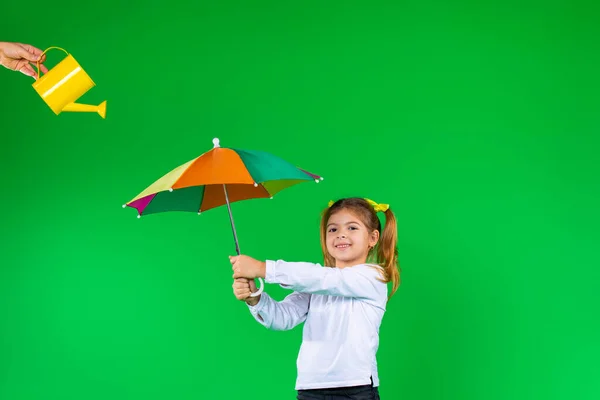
[331,229]
[353,228]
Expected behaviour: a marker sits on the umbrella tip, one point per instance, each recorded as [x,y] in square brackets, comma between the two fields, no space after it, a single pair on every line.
[139,216]
[216,143]
[124,205]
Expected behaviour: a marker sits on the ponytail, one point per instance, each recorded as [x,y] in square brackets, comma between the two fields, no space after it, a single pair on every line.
[387,252]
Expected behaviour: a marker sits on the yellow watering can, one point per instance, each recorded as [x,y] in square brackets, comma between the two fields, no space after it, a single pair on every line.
[61,86]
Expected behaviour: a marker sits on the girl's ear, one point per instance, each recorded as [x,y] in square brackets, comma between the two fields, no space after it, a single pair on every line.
[374,238]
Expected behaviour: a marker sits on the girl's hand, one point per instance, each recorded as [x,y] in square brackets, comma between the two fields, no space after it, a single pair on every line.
[242,288]
[247,267]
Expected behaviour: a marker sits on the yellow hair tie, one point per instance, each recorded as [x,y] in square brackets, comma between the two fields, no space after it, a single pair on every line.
[377,207]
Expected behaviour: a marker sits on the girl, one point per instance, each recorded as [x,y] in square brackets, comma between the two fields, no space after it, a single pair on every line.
[342,305]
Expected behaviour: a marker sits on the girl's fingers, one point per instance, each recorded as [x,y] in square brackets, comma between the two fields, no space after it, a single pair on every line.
[242,295]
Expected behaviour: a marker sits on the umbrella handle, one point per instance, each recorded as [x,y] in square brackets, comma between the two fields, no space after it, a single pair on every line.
[260,289]
[237,246]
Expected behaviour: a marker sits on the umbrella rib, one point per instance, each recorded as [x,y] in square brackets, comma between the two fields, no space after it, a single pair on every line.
[201,199]
[262,186]
[314,176]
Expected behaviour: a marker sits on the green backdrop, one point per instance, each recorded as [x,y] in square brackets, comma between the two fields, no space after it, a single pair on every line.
[477,121]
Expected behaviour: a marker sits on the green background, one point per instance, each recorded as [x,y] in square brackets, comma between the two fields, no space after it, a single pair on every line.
[477,121]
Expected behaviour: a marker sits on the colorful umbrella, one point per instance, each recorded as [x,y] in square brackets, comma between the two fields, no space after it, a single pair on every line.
[217,177]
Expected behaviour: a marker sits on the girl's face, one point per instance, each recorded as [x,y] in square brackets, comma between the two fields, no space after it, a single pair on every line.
[348,239]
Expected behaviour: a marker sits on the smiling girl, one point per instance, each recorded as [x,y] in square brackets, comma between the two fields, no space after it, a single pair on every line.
[342,304]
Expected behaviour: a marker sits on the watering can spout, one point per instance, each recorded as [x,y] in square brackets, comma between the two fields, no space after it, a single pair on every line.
[77,107]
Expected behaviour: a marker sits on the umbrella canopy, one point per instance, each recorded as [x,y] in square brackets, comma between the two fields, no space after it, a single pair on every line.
[197,185]
[219,177]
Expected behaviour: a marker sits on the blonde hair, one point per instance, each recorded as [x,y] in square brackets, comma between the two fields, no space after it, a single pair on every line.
[385,252]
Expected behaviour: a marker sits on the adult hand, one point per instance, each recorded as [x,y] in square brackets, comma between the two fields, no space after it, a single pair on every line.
[19,56]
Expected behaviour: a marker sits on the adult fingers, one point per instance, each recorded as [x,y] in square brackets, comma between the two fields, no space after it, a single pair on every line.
[42,67]
[28,70]
[37,53]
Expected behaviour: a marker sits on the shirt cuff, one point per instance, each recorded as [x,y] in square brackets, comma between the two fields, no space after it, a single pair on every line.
[270,271]
[255,309]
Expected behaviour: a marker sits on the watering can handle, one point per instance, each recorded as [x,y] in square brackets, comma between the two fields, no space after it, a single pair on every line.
[38,61]
[260,289]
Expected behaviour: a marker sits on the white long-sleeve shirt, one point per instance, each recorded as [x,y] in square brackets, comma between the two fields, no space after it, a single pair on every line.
[342,310]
